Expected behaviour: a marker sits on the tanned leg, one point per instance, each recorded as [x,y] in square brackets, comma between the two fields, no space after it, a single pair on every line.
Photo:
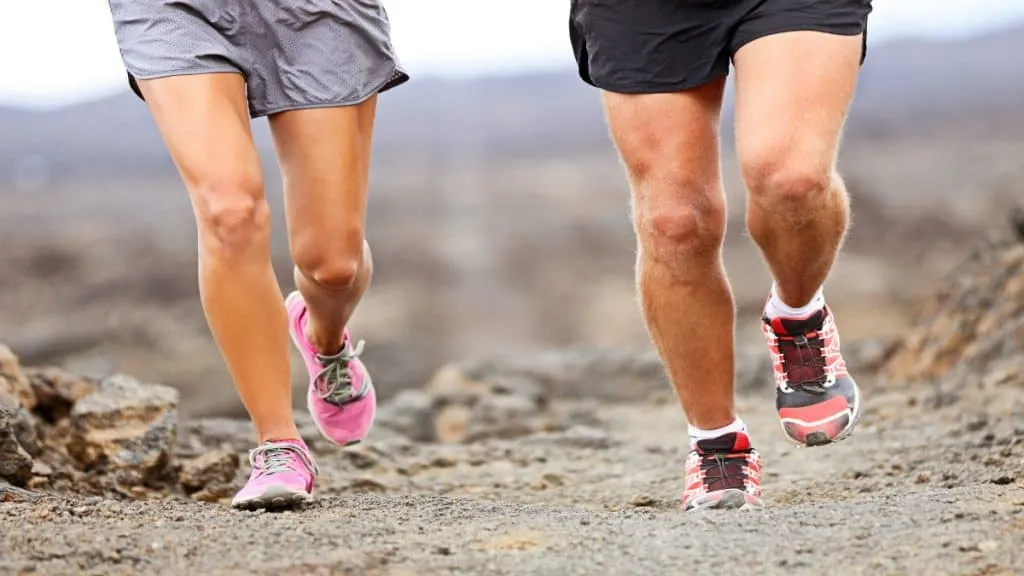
[792,95]
[325,157]
[669,145]
[205,125]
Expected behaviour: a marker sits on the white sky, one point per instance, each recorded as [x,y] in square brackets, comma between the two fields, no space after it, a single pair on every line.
[54,52]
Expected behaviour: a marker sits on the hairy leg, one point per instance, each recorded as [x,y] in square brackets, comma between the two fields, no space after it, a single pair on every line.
[325,158]
[205,125]
[669,145]
[792,95]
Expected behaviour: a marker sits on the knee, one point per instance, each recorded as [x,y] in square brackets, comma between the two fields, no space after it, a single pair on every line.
[686,229]
[784,183]
[232,213]
[335,265]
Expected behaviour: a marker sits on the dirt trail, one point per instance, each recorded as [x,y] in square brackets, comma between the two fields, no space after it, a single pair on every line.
[922,488]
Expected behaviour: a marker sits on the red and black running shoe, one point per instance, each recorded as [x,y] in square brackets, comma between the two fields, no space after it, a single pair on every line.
[817,400]
[723,472]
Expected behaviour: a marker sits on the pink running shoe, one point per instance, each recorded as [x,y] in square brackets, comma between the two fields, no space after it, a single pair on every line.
[282,476]
[341,398]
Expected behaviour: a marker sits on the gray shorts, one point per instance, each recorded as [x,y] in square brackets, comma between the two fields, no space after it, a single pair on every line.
[293,53]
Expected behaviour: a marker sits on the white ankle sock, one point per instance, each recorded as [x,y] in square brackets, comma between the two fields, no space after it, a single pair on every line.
[699,434]
[776,307]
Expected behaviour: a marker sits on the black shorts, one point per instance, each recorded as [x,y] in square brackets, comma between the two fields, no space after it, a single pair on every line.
[649,46]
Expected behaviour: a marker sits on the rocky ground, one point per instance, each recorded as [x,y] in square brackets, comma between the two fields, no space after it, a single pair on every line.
[565,464]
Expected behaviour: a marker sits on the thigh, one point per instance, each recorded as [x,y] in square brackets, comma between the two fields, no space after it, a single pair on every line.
[669,144]
[325,159]
[796,72]
[204,122]
[651,46]
[162,39]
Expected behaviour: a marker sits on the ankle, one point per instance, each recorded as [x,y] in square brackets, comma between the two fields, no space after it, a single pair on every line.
[328,344]
[698,433]
[280,434]
[794,308]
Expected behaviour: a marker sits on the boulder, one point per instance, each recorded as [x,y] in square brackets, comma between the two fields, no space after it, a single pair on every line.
[126,427]
[974,324]
[57,390]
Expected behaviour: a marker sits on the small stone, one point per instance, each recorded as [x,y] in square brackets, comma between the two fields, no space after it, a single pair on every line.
[642,500]
[360,457]
[367,485]
[443,461]
[988,546]
[411,413]
[554,479]
[972,547]
[41,469]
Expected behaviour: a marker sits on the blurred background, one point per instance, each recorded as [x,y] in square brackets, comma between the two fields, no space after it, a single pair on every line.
[498,212]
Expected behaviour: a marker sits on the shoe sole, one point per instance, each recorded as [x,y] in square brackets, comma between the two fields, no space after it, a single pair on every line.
[730,499]
[367,388]
[818,439]
[275,499]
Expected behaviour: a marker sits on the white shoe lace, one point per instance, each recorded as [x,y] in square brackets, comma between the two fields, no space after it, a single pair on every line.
[334,381]
[275,458]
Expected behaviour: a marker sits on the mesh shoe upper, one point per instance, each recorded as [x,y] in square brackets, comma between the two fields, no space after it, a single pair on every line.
[723,467]
[816,398]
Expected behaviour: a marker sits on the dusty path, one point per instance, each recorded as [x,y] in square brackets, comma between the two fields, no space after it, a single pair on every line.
[932,483]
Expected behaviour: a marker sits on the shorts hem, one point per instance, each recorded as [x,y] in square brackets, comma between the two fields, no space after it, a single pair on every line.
[656,88]
[823,28]
[397,77]
[133,77]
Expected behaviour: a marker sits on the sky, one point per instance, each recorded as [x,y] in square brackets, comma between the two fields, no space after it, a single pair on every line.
[55,52]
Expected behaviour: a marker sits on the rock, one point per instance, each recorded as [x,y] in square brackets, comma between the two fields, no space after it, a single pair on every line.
[513,397]
[41,469]
[229,434]
[9,493]
[56,391]
[13,381]
[642,501]
[214,469]
[26,433]
[504,417]
[452,424]
[974,324]
[15,462]
[579,437]
[411,413]
[580,413]
[494,416]
[366,484]
[127,426]
[867,356]
[604,374]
